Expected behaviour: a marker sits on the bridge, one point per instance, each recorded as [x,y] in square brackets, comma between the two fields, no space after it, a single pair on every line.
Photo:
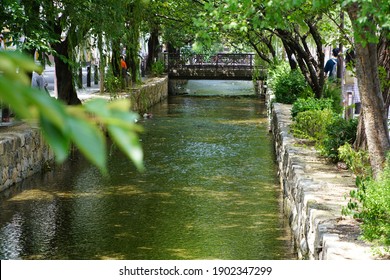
[222,66]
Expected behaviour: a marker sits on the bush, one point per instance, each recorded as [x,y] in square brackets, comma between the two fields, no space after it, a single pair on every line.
[112,84]
[358,161]
[333,91]
[287,85]
[312,124]
[290,86]
[158,68]
[338,133]
[310,103]
[371,204]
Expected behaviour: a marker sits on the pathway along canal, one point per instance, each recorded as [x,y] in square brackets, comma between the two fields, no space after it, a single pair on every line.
[209,191]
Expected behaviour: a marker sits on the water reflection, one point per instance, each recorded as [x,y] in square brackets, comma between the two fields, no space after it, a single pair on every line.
[209,192]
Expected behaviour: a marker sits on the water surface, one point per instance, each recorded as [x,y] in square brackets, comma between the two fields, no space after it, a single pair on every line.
[209,192]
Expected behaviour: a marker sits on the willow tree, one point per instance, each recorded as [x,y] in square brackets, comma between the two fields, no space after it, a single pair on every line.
[170,22]
[259,23]
[107,23]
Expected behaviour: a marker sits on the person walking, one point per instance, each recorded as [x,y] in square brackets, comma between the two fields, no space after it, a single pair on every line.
[38,81]
[124,73]
[331,65]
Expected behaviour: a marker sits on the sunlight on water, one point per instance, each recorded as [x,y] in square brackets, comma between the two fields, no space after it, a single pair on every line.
[209,191]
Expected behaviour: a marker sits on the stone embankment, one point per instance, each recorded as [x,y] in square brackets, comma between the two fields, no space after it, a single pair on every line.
[23,151]
[314,193]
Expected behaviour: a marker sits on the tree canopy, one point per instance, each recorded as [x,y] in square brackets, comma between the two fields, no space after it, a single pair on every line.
[297,30]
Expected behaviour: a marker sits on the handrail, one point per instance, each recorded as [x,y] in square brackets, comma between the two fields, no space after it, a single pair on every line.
[220,59]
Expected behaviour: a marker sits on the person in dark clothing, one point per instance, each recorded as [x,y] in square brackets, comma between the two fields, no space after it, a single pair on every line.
[331,65]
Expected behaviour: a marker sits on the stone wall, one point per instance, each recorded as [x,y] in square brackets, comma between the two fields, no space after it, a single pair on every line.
[22,153]
[314,193]
[148,94]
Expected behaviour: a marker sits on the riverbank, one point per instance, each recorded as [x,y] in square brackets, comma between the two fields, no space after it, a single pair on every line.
[24,152]
[314,193]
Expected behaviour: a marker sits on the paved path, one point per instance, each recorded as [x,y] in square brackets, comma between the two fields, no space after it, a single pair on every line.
[83,93]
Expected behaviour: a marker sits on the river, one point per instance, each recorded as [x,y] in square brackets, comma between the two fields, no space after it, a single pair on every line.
[209,191]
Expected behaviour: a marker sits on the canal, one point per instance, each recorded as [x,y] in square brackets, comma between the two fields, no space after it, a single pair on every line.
[209,191]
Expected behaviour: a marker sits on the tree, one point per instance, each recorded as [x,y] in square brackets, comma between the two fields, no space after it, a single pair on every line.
[260,22]
[172,22]
[64,125]
[367,21]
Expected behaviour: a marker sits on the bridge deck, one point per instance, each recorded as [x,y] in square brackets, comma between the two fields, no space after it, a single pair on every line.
[220,66]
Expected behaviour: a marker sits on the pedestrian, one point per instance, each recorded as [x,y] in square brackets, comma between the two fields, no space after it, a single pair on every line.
[38,81]
[331,65]
[124,72]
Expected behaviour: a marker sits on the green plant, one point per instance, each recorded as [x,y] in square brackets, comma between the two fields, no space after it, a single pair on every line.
[310,103]
[356,160]
[290,86]
[112,84]
[333,91]
[370,203]
[158,68]
[312,124]
[63,125]
[338,133]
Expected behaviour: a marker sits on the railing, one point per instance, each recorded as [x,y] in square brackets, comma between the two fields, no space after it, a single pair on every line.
[221,65]
[218,60]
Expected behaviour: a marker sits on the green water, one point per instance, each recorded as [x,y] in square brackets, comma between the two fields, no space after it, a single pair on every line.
[209,192]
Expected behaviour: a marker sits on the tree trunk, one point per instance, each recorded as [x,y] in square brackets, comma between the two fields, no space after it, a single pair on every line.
[115,59]
[102,62]
[384,62]
[374,117]
[65,86]
[361,139]
[153,44]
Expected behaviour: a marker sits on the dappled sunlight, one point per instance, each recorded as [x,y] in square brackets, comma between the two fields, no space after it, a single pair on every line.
[181,254]
[35,194]
[244,122]
[114,256]
[208,192]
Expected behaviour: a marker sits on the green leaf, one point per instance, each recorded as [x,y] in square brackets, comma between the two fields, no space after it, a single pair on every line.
[51,108]
[12,93]
[90,140]
[129,144]
[54,136]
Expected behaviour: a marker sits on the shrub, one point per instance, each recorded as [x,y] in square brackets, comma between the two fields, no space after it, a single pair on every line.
[287,85]
[275,71]
[290,86]
[338,133]
[333,92]
[112,84]
[312,124]
[371,204]
[357,160]
[158,68]
[310,103]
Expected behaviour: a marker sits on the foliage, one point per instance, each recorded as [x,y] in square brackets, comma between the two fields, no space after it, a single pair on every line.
[371,204]
[312,124]
[158,68]
[357,160]
[63,125]
[310,103]
[290,86]
[338,133]
[112,83]
[333,91]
